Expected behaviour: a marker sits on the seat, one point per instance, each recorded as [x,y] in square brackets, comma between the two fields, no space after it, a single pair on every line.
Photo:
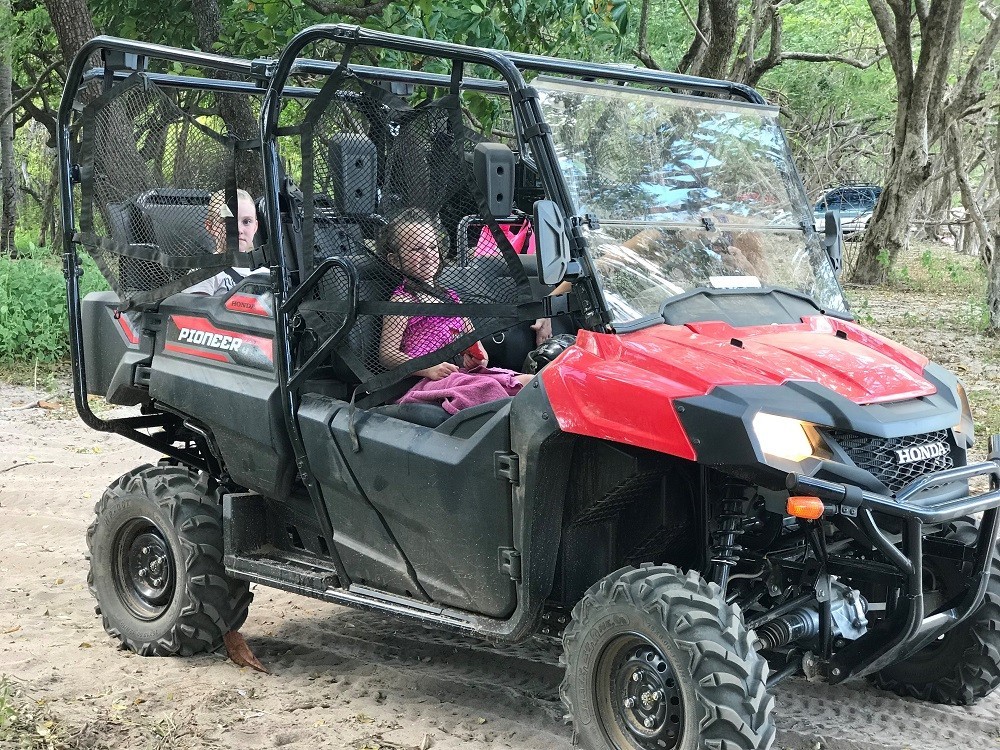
[175,218]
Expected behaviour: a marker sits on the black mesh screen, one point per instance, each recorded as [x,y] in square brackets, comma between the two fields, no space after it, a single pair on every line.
[155,164]
[387,187]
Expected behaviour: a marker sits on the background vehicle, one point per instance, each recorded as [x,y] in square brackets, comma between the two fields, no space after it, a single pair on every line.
[725,481]
[853,203]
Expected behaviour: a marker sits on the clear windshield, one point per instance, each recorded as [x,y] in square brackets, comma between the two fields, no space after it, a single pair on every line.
[643,265]
[690,192]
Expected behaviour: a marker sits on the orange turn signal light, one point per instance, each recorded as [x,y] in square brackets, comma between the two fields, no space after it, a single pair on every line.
[804,506]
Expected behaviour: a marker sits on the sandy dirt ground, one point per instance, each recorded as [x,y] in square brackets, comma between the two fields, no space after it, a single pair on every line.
[340,678]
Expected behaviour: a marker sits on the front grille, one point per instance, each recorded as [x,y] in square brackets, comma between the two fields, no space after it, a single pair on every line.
[878,455]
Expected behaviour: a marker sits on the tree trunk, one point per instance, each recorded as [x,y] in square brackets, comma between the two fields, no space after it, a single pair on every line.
[721,40]
[8,170]
[702,31]
[993,284]
[73,25]
[886,235]
[48,222]
[714,40]
[234,110]
[920,92]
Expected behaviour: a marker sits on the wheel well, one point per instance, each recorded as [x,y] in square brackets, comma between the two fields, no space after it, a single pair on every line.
[624,506]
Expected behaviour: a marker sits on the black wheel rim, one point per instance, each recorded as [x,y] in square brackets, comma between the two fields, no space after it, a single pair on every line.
[638,698]
[143,569]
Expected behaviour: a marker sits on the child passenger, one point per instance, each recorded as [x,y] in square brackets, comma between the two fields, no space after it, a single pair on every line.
[215,225]
[411,243]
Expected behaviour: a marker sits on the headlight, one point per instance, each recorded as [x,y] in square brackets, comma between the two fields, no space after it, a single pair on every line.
[783,437]
[965,426]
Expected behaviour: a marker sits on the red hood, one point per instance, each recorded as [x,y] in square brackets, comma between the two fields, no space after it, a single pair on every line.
[841,356]
[624,387]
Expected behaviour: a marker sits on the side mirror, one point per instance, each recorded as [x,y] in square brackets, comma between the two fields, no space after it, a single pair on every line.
[833,241]
[493,168]
[551,242]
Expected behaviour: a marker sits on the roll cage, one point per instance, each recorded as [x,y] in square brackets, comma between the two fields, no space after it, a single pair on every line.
[269,80]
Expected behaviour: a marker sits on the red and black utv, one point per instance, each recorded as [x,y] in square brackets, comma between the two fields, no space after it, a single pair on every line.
[721,481]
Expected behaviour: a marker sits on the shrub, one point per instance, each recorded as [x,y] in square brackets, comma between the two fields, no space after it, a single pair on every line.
[33,320]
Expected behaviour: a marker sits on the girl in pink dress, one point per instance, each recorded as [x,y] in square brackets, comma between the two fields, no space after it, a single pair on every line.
[411,243]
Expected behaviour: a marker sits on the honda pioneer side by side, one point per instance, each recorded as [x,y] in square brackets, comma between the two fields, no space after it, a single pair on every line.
[714,480]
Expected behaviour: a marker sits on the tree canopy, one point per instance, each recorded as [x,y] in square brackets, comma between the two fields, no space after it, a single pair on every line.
[900,93]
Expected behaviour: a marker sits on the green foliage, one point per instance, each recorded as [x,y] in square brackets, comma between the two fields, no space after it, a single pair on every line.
[932,269]
[862,311]
[843,27]
[24,723]
[33,319]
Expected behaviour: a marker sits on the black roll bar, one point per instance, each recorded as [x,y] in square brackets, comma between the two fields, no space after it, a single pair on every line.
[915,629]
[72,270]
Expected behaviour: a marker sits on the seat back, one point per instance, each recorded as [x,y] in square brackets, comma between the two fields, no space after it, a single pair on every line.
[176,220]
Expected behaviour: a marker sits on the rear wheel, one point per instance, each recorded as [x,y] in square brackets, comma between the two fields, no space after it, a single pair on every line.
[657,660]
[156,564]
[963,665]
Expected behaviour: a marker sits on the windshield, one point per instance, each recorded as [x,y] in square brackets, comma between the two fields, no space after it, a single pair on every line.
[689,193]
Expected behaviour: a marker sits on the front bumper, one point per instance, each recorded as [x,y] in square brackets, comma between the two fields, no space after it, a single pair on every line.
[912,627]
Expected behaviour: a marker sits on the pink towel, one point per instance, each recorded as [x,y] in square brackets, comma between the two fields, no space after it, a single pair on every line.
[463,389]
[521,239]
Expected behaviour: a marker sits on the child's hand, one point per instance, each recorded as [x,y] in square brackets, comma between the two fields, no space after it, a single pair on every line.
[475,356]
[438,372]
[471,363]
[543,330]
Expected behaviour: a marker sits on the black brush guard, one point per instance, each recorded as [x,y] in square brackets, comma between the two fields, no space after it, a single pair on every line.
[915,629]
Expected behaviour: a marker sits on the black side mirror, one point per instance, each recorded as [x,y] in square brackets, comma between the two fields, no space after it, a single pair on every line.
[551,242]
[493,168]
[833,241]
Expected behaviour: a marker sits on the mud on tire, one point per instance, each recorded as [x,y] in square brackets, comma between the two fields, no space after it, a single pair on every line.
[964,665]
[156,563]
[657,660]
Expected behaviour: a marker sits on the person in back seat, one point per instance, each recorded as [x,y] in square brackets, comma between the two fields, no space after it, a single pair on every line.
[412,243]
[215,225]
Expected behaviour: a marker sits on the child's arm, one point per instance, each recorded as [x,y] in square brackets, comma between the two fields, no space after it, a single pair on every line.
[390,350]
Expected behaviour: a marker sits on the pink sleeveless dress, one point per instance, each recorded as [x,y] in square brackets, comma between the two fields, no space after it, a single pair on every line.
[459,390]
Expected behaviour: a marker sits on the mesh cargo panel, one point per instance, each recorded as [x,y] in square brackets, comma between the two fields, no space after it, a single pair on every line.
[154,166]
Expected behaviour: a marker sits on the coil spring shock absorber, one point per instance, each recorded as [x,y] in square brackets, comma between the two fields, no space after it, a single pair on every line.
[725,550]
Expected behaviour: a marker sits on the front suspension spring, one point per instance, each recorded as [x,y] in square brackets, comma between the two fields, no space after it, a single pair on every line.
[725,550]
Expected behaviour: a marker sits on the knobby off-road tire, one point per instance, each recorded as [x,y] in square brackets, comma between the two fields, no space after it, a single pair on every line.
[156,563]
[964,665]
[657,660]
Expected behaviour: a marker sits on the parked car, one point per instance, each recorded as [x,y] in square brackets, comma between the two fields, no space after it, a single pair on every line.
[854,204]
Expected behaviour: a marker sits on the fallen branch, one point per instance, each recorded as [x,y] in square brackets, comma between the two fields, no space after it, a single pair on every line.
[26,463]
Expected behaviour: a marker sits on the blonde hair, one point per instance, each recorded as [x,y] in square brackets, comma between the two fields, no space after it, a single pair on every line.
[388,238]
[217,208]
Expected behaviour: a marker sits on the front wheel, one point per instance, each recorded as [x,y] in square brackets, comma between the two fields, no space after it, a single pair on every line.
[657,660]
[963,665]
[156,563]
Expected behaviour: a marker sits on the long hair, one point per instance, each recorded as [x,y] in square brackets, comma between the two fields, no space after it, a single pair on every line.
[394,230]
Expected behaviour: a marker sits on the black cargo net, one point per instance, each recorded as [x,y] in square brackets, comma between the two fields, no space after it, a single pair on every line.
[387,191]
[166,186]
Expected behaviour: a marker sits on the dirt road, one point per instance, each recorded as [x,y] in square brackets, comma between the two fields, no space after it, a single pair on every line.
[340,678]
